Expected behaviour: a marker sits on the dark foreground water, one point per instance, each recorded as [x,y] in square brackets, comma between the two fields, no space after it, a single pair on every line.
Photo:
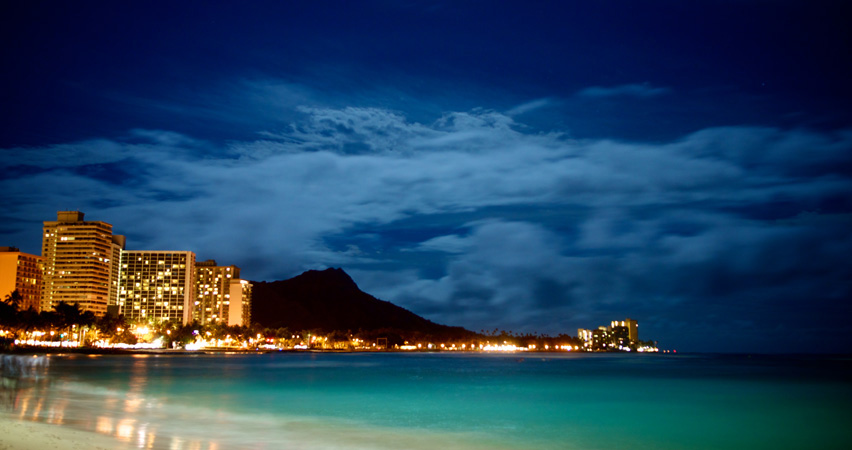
[439,401]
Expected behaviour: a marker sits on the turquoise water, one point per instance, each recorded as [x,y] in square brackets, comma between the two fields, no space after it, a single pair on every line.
[464,401]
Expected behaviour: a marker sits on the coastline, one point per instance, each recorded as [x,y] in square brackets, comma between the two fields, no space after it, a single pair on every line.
[26,350]
[18,434]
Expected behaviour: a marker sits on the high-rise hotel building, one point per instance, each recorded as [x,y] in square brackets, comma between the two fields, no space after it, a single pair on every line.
[84,263]
[221,296]
[157,286]
[21,272]
[80,262]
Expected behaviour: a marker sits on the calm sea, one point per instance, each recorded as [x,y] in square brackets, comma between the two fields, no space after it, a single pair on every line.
[439,401]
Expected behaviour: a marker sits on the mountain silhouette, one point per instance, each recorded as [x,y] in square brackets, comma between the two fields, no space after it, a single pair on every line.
[329,300]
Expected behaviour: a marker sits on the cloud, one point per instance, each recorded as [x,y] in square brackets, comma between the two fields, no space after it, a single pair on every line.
[715,272]
[475,221]
[643,90]
[450,244]
[530,106]
[237,103]
[95,151]
[499,266]
[797,153]
[165,138]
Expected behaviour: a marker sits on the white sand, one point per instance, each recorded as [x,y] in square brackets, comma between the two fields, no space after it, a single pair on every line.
[25,435]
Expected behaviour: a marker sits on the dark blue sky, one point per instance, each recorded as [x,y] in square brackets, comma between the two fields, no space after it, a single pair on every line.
[532,167]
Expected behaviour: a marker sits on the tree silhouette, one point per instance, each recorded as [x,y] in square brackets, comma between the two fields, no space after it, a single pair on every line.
[14,299]
[68,315]
[8,314]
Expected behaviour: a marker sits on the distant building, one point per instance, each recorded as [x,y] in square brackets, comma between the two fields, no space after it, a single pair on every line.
[619,336]
[586,337]
[157,286]
[213,292]
[632,327]
[601,339]
[80,263]
[21,272]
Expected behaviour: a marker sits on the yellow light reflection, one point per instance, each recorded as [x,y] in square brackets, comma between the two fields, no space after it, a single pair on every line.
[37,409]
[56,413]
[124,430]
[104,425]
[151,438]
[25,403]
[131,405]
[141,435]
[176,444]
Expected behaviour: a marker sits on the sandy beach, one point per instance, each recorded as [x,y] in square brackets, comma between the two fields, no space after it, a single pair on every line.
[17,434]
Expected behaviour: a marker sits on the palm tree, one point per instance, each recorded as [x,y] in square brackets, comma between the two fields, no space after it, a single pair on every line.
[14,299]
[69,315]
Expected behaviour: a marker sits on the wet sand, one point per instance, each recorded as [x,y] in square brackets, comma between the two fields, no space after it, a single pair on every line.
[17,434]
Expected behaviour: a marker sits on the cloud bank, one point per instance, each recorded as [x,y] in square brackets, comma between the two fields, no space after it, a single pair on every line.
[473,220]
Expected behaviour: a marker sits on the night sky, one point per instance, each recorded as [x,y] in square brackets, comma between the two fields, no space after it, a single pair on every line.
[528,166]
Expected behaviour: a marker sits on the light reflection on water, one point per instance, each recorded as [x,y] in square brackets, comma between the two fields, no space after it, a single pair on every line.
[31,405]
[427,402]
[28,394]
[133,416]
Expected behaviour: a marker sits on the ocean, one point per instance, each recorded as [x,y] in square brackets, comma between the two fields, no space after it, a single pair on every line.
[438,400]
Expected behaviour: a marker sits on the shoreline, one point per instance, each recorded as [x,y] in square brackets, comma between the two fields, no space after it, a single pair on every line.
[35,350]
[24,350]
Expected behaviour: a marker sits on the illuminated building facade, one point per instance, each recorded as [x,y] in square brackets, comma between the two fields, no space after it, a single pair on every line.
[601,339]
[620,337]
[212,290]
[21,272]
[115,270]
[239,309]
[157,286]
[586,337]
[79,263]
[221,296]
[626,332]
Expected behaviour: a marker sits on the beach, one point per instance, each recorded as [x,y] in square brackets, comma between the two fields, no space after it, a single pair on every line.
[21,373]
[17,434]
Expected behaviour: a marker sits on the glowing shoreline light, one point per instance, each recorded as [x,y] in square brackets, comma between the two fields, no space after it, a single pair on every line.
[504,348]
[195,345]
[150,338]
[37,343]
